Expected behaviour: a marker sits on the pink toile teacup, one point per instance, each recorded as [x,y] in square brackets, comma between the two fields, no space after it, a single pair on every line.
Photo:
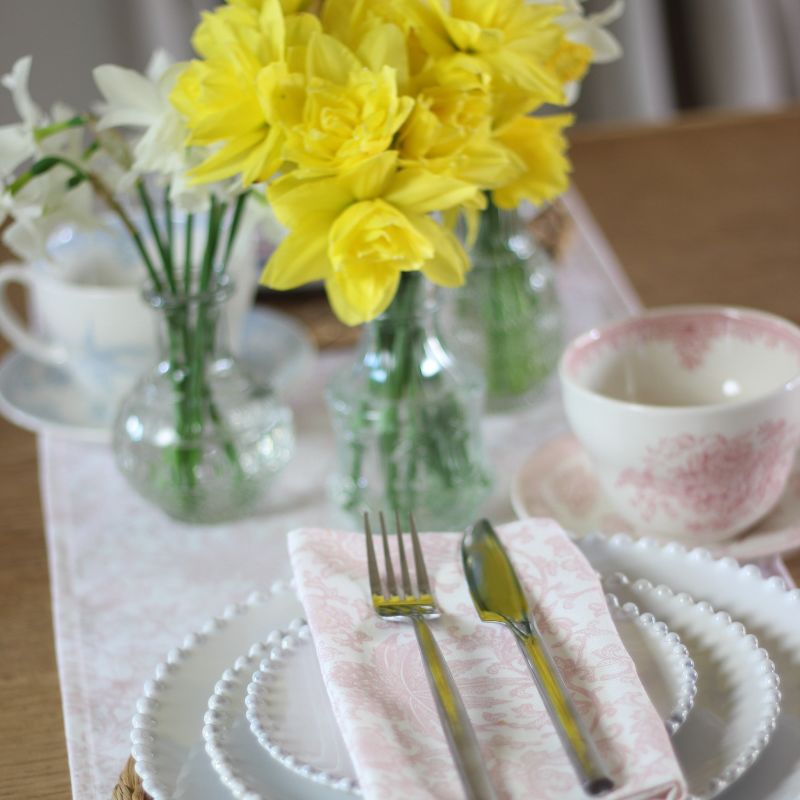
[690,415]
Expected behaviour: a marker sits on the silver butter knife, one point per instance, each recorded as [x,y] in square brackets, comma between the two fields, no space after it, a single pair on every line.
[498,597]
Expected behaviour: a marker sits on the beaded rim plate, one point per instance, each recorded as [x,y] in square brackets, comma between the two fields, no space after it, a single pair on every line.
[738,699]
[167,730]
[280,716]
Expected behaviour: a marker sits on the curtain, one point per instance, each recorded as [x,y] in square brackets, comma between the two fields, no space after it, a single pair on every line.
[684,54]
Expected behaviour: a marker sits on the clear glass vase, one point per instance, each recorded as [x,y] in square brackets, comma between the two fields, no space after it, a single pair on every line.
[506,319]
[406,417]
[198,435]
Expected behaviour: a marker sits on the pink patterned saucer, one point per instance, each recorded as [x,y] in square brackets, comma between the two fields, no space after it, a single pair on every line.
[558,480]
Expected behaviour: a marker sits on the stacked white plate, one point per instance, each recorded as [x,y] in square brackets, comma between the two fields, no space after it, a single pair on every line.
[239,710]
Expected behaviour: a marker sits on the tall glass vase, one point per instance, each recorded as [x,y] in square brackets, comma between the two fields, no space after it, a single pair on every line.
[199,435]
[506,319]
[406,416]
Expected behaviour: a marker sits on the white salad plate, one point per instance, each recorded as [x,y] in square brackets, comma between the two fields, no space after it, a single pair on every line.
[47,399]
[558,480]
[167,734]
[290,715]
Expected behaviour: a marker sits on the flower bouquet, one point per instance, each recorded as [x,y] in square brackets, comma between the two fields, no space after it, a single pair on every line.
[197,435]
[376,125]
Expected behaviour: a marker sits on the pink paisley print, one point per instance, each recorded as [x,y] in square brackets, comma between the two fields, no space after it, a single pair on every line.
[691,333]
[379,692]
[713,481]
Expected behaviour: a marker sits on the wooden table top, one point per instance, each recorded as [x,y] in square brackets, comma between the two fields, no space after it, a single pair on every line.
[703,210]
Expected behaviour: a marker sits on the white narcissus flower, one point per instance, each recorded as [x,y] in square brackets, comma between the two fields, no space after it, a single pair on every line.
[47,201]
[590,29]
[17,142]
[133,100]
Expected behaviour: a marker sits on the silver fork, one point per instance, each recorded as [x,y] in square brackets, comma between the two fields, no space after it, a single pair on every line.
[398,605]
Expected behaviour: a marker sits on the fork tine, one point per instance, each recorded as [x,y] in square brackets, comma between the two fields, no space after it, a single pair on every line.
[407,588]
[419,563]
[391,583]
[372,562]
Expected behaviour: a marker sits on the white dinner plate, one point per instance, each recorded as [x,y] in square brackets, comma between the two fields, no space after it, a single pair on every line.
[48,400]
[291,717]
[167,735]
[557,481]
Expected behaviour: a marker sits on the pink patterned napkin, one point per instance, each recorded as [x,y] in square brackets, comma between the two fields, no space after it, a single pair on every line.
[375,679]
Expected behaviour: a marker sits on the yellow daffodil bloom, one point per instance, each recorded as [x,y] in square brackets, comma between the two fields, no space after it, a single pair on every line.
[343,114]
[220,95]
[540,146]
[512,40]
[378,31]
[449,131]
[358,231]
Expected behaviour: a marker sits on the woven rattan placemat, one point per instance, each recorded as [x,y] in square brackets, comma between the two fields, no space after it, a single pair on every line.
[551,228]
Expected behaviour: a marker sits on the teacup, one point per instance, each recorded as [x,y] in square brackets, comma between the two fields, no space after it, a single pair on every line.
[690,416]
[87,312]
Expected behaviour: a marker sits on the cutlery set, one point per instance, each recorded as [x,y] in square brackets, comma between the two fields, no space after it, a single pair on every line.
[499,598]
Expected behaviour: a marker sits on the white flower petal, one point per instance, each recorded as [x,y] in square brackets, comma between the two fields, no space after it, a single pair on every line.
[118,117]
[161,148]
[16,82]
[16,147]
[608,15]
[605,47]
[589,30]
[159,63]
[129,96]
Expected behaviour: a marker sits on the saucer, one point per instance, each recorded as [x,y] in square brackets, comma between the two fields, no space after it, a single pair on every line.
[47,399]
[558,480]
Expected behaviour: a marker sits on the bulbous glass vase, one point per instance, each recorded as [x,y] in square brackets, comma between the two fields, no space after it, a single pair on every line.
[199,435]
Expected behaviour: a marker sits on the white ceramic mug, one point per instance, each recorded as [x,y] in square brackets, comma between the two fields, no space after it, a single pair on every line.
[87,312]
[690,415]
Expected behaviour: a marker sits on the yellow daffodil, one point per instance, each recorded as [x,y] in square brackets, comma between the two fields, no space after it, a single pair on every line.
[379,32]
[540,146]
[344,113]
[359,230]
[373,114]
[220,95]
[511,40]
[449,131]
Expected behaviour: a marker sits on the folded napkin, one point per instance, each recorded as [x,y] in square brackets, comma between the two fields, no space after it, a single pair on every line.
[380,696]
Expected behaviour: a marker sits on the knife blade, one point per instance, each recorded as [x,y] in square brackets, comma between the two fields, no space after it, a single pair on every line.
[498,597]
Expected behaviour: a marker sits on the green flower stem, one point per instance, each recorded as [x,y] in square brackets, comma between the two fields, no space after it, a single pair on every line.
[236,220]
[40,134]
[191,333]
[90,150]
[187,254]
[168,223]
[166,259]
[507,310]
[197,394]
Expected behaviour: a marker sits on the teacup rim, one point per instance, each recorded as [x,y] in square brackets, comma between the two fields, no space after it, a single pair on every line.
[42,267]
[741,312]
